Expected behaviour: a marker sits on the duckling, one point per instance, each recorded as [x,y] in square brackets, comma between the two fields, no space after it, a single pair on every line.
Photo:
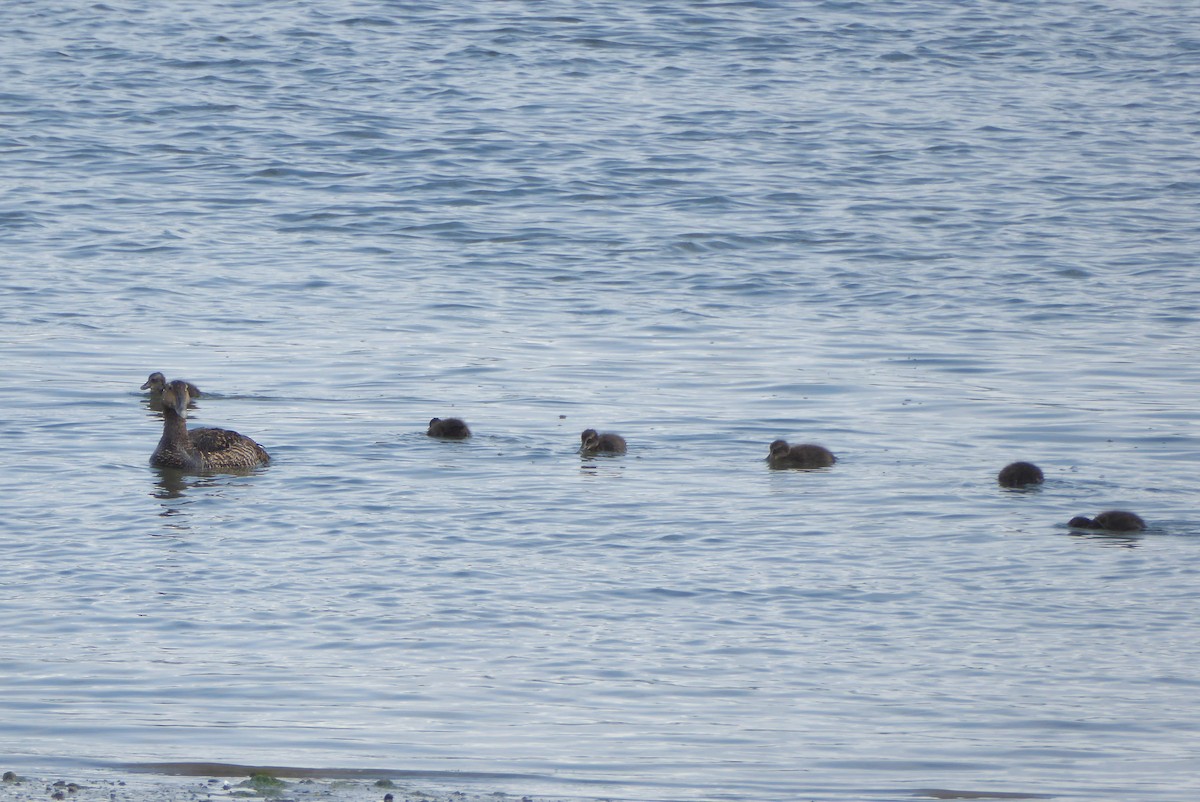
[1113,521]
[592,443]
[199,450]
[1019,474]
[448,428]
[801,455]
[157,382]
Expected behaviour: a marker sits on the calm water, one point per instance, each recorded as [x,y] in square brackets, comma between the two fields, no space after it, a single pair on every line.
[934,237]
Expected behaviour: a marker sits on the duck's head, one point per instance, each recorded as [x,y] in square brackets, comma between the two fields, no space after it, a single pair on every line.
[590,438]
[155,383]
[175,397]
[779,448]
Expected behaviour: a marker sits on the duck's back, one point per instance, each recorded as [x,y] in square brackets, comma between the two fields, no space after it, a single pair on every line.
[593,442]
[448,428]
[225,448]
[1119,521]
[801,455]
[611,443]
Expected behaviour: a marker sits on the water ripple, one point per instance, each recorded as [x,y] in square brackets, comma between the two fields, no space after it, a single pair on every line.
[935,240]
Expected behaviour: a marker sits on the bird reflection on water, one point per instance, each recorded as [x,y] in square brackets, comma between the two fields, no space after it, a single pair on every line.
[171,483]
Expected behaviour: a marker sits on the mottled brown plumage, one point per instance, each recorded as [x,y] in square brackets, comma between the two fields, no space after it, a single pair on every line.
[200,450]
[801,455]
[592,442]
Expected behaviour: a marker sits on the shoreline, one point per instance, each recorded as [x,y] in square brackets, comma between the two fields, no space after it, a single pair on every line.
[216,782]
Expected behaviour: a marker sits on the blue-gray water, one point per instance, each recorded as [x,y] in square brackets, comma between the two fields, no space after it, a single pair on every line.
[935,237]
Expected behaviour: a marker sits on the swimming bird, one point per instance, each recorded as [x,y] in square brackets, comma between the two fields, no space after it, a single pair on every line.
[801,455]
[448,428]
[1019,474]
[1113,521]
[157,382]
[199,450]
[592,442]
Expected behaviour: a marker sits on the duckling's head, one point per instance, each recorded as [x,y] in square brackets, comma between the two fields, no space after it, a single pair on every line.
[155,383]
[175,397]
[779,448]
[590,438]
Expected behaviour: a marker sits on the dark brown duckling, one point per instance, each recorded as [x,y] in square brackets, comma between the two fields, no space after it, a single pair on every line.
[199,450]
[801,455]
[1020,474]
[158,382]
[1112,521]
[448,428]
[592,442]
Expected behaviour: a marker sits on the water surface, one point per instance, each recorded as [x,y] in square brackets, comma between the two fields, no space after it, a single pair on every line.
[933,238]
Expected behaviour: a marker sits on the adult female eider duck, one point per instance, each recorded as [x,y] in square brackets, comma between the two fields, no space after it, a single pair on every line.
[592,442]
[1112,521]
[158,382]
[1020,474]
[200,450]
[801,455]
[448,428]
